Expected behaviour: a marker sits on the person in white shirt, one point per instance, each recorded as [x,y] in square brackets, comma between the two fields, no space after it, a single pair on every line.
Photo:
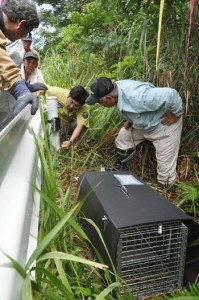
[29,69]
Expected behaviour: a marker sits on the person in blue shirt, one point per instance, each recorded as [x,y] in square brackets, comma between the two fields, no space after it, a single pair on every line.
[151,113]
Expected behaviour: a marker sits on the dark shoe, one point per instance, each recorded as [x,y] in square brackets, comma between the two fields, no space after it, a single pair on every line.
[116,167]
[123,158]
[168,187]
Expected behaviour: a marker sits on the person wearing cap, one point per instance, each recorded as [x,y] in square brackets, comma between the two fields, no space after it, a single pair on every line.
[73,111]
[17,18]
[30,71]
[27,42]
[151,113]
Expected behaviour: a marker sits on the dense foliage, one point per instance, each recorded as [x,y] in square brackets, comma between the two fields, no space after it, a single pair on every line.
[123,35]
[119,39]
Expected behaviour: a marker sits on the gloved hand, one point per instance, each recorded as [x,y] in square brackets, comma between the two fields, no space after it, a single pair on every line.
[24,97]
[38,86]
[23,101]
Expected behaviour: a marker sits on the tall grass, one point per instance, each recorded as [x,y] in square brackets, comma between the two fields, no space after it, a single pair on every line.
[69,69]
[59,193]
[61,239]
[63,263]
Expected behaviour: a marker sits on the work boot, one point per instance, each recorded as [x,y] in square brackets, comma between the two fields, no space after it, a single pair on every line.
[121,162]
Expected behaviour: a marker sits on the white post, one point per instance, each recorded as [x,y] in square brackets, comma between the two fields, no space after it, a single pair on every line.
[53,122]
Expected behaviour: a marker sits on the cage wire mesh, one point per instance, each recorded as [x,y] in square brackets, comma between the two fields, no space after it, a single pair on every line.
[151,257]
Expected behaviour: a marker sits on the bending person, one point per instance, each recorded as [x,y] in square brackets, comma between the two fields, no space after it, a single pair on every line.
[152,113]
[17,18]
[73,111]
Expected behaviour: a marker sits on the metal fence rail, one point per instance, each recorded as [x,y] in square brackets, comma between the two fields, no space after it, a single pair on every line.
[19,204]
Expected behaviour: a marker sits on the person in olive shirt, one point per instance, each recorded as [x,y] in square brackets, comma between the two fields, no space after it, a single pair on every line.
[73,111]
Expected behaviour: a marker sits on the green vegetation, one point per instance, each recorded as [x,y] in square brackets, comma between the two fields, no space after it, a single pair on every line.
[192,294]
[116,39]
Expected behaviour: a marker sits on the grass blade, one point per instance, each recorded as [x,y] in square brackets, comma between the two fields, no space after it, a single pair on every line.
[27,289]
[70,257]
[49,237]
[14,264]
[54,281]
[108,290]
[101,237]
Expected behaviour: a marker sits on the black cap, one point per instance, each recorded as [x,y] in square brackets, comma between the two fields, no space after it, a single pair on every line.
[31,54]
[99,88]
[27,38]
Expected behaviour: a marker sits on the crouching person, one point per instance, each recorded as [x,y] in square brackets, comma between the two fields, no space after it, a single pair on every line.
[73,112]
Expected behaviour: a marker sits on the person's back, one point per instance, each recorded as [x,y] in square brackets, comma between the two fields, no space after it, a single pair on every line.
[15,51]
[143,104]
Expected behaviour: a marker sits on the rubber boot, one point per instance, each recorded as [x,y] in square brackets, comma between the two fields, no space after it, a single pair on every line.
[120,156]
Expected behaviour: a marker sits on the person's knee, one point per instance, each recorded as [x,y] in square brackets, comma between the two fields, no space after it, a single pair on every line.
[123,139]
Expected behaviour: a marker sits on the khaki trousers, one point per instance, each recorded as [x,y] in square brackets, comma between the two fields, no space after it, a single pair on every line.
[166,142]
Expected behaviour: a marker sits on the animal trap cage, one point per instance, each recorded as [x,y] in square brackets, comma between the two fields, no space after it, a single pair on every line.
[144,233]
[150,258]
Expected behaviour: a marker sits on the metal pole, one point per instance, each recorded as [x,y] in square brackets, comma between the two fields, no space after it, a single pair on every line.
[53,122]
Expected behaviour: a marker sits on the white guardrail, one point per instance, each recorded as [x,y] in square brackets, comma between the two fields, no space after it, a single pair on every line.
[19,203]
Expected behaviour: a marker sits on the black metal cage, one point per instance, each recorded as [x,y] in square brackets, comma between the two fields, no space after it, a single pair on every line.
[144,233]
[150,257]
